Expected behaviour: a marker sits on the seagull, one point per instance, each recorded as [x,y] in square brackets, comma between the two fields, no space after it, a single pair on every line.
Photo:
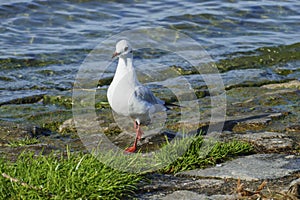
[128,97]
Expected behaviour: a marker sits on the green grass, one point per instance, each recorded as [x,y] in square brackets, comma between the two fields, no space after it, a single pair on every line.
[63,177]
[210,153]
[180,155]
[23,142]
[83,176]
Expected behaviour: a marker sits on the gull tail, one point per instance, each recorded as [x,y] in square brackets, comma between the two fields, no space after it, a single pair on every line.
[168,105]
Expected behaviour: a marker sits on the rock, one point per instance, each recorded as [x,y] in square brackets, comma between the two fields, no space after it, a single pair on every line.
[123,139]
[21,99]
[112,129]
[255,123]
[295,84]
[249,77]
[250,168]
[293,128]
[105,81]
[38,131]
[67,126]
[277,116]
[251,125]
[268,141]
[184,195]
[185,184]
[223,197]
[188,195]
[65,101]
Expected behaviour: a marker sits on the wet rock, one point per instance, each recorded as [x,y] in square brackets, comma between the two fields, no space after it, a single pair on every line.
[67,126]
[276,116]
[293,128]
[24,99]
[253,100]
[105,81]
[255,123]
[38,131]
[295,84]
[251,125]
[239,78]
[16,138]
[10,131]
[268,141]
[112,129]
[58,101]
[249,77]
[124,139]
[253,167]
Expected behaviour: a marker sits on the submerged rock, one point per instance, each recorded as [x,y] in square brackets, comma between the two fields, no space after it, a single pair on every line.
[255,122]
[23,99]
[268,141]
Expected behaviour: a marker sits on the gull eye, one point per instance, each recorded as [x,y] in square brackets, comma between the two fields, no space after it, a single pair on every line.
[126,48]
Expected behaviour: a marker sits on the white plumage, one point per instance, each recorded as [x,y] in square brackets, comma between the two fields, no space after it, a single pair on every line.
[127,96]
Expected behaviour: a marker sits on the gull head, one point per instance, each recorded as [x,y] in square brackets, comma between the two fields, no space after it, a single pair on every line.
[123,49]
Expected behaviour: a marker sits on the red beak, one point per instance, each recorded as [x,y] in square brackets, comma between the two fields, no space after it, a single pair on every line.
[115,54]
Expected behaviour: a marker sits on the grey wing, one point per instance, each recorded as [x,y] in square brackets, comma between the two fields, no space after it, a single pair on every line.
[145,94]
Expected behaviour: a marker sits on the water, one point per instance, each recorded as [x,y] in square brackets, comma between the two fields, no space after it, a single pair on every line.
[44,42]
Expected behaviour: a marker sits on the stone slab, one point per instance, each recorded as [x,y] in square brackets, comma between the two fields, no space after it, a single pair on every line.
[253,167]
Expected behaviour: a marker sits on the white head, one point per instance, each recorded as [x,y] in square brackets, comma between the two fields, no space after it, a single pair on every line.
[123,49]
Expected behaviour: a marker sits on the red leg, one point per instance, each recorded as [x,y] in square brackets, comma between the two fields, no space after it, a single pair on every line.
[132,149]
[139,132]
[138,136]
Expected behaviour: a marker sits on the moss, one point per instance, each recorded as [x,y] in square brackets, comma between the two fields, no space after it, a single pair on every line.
[257,84]
[182,71]
[102,104]
[58,101]
[261,57]
[50,120]
[24,100]
[245,127]
[42,60]
[3,78]
[47,72]
[284,72]
[53,126]
[112,130]
[104,81]
[201,93]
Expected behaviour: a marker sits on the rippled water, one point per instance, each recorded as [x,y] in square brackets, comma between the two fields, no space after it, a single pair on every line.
[43,42]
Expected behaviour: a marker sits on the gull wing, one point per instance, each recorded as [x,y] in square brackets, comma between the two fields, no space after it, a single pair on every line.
[143,93]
